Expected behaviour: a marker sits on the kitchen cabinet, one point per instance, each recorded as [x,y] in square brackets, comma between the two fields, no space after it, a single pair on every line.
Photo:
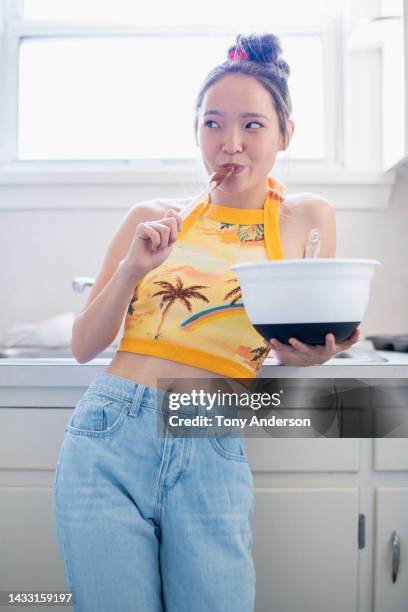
[312,496]
[391,526]
[391,536]
[310,544]
[29,445]
[305,549]
[29,557]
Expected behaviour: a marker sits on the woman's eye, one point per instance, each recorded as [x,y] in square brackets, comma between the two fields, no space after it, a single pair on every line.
[251,122]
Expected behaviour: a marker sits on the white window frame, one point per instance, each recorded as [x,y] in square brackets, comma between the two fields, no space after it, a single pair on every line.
[12,170]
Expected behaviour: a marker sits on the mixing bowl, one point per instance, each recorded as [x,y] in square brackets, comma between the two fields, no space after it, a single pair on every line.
[306,298]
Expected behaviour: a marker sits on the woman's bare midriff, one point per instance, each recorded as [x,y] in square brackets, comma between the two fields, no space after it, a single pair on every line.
[147,369]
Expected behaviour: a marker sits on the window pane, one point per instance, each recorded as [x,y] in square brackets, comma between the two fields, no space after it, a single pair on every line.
[305,58]
[163,12]
[132,97]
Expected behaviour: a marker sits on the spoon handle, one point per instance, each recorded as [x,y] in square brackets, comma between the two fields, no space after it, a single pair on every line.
[196,200]
[312,249]
[215,179]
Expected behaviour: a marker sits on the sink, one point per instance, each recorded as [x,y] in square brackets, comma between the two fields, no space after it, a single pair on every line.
[355,355]
[28,352]
[360,354]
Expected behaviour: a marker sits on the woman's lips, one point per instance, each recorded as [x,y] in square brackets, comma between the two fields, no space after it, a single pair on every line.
[235,169]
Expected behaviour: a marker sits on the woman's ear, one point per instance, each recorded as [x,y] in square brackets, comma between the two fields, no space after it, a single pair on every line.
[284,142]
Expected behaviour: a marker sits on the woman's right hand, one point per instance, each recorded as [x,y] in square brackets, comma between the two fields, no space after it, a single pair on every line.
[153,242]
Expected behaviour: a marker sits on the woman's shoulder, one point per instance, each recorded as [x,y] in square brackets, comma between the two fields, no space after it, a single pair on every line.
[302,212]
[308,204]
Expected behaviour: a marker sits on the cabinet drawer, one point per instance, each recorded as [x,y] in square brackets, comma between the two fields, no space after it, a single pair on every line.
[303,454]
[30,438]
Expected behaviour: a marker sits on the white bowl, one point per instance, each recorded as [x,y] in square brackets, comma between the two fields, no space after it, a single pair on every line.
[306,298]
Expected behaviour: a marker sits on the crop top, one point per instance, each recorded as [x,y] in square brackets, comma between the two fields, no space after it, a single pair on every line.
[189,309]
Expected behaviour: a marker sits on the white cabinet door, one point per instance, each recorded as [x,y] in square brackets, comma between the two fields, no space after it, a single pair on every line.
[391,516]
[303,454]
[29,553]
[391,454]
[30,438]
[30,559]
[306,549]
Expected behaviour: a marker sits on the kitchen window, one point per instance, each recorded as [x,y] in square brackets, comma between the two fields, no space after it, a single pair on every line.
[104,81]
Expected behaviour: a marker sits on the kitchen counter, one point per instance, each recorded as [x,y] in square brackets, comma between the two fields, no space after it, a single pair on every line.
[67,372]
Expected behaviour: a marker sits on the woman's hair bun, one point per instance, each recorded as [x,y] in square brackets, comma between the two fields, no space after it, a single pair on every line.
[262,49]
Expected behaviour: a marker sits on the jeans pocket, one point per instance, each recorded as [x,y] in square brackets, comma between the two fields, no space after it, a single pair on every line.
[97,414]
[229,447]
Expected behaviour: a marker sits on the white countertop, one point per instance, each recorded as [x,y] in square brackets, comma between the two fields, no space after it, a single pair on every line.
[67,372]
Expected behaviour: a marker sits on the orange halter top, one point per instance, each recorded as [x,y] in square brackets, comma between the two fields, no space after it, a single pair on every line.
[189,309]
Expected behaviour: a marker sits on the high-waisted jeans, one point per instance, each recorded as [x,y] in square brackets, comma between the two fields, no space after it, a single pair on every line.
[148,522]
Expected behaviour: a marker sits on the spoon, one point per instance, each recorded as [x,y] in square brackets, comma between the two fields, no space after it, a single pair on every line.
[215,180]
[312,249]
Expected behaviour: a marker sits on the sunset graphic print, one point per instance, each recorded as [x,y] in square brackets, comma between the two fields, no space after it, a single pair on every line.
[190,308]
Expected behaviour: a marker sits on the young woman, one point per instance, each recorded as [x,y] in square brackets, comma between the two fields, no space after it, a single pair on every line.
[150,522]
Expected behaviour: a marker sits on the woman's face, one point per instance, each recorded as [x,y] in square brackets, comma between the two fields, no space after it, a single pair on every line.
[225,135]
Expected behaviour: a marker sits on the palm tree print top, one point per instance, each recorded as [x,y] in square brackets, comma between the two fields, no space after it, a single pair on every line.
[190,309]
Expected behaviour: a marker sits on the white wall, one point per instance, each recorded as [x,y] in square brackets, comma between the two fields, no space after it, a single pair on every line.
[42,250]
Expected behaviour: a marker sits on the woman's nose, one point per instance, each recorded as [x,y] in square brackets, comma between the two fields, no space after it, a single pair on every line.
[232,143]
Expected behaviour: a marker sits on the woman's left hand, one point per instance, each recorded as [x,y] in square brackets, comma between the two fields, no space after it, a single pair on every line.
[301,355]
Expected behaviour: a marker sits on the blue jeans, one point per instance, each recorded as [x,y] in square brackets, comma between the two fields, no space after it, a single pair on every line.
[148,522]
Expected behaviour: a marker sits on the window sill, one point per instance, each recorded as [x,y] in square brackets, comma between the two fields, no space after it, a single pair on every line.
[359,190]
[60,173]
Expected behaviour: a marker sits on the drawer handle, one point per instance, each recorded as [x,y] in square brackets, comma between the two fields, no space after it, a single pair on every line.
[395,555]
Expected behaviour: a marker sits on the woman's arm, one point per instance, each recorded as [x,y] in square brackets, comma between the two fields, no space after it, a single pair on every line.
[128,259]
[97,325]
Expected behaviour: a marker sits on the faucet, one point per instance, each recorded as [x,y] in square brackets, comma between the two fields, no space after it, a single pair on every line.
[80,282]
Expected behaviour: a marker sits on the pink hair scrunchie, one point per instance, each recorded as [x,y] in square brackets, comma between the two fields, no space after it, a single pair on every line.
[238,55]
